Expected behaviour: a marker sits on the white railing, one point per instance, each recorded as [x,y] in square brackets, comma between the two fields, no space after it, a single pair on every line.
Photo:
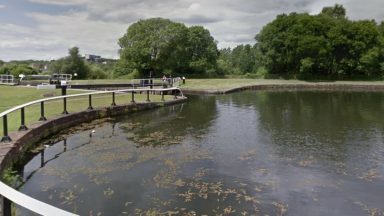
[166,82]
[7,79]
[28,203]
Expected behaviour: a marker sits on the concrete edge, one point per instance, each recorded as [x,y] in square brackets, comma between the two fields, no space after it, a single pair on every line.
[13,152]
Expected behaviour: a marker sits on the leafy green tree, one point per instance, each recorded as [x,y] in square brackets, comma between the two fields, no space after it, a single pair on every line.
[224,63]
[160,46]
[337,11]
[202,50]
[96,72]
[17,69]
[147,44]
[327,45]
[76,64]
[239,61]
[72,64]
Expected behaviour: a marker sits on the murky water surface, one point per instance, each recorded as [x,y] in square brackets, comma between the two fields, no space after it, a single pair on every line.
[249,153]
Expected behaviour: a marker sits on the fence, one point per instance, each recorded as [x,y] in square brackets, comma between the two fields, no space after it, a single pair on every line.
[166,82]
[10,195]
[7,79]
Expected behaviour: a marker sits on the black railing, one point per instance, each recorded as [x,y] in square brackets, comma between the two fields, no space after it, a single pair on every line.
[6,138]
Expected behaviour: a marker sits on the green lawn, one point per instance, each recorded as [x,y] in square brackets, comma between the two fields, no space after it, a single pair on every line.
[11,96]
[225,84]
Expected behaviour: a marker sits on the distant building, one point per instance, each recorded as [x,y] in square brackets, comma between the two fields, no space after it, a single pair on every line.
[93,58]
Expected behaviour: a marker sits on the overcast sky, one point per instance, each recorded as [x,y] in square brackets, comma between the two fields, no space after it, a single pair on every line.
[46,29]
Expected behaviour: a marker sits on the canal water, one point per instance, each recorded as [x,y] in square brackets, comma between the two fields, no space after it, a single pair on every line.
[248,153]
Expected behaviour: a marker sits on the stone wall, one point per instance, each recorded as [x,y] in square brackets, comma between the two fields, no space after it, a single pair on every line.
[24,141]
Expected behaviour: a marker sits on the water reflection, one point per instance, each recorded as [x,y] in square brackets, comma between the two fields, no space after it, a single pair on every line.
[172,125]
[268,153]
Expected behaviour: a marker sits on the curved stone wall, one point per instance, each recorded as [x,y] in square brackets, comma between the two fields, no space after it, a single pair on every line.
[24,141]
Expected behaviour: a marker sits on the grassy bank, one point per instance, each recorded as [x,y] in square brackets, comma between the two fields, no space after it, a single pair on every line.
[226,84]
[11,96]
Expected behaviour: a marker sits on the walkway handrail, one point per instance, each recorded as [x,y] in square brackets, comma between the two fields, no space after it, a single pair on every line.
[31,203]
[174,82]
[9,194]
[84,94]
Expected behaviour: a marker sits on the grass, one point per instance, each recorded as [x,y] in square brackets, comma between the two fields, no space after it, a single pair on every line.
[225,84]
[11,96]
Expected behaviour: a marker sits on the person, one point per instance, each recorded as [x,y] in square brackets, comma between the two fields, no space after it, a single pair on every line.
[170,80]
[164,81]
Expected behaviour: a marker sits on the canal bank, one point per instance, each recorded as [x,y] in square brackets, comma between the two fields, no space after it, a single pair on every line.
[225,86]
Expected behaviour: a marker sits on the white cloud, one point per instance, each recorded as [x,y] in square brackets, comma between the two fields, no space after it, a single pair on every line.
[2,6]
[95,25]
[61,2]
[194,6]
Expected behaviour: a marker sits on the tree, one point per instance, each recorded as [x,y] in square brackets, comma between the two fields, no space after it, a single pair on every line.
[76,64]
[147,45]
[72,64]
[327,45]
[17,69]
[337,11]
[202,50]
[162,46]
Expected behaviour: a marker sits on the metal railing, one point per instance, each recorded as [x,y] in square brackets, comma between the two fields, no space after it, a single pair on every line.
[7,79]
[9,194]
[172,82]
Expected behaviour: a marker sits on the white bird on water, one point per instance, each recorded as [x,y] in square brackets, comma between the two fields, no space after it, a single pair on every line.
[92,132]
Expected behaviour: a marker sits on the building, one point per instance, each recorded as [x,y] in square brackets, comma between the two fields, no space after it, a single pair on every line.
[93,58]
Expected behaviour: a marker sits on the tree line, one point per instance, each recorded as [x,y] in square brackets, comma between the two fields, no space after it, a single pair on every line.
[73,64]
[298,45]
[327,45]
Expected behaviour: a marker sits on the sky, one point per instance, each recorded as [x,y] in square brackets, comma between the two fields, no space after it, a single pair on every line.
[46,29]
